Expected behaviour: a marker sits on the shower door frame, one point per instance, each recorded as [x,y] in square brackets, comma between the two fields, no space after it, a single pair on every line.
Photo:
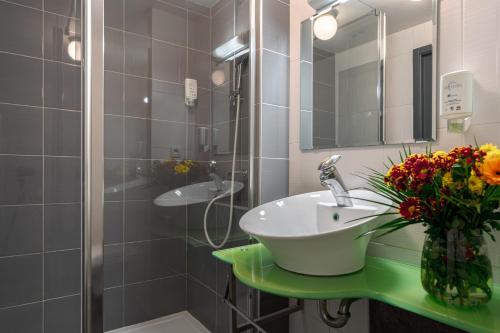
[92,46]
[93,163]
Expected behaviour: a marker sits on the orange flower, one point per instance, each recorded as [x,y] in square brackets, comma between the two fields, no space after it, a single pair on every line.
[490,169]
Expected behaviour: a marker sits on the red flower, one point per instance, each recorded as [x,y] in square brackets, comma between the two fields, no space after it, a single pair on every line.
[421,168]
[410,209]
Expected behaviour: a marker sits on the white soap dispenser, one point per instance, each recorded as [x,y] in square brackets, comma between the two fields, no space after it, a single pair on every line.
[457,100]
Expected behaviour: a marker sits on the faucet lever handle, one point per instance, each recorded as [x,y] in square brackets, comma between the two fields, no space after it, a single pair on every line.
[329,162]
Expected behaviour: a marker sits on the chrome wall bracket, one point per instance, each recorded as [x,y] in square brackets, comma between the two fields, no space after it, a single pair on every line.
[231,301]
[343,314]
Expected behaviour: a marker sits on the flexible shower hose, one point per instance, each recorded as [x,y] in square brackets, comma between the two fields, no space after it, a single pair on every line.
[231,200]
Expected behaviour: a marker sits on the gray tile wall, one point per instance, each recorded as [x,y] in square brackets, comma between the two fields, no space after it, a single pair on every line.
[272,102]
[206,276]
[40,158]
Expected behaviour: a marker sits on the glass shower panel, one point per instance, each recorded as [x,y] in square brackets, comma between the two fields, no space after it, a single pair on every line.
[40,166]
[159,153]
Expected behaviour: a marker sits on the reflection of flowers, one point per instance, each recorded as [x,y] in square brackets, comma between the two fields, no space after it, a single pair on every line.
[181,167]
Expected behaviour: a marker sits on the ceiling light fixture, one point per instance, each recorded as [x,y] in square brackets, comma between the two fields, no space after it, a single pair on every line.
[325,26]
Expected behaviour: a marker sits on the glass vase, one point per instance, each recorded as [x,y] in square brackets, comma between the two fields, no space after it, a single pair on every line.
[456,268]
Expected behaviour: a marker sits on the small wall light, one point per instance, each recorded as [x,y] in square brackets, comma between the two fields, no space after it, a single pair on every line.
[325,26]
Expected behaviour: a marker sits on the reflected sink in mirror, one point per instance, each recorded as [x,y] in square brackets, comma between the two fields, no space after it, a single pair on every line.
[309,234]
[196,193]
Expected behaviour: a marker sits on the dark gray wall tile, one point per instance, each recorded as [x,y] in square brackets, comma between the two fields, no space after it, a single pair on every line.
[169,23]
[138,97]
[274,179]
[20,230]
[154,259]
[167,136]
[275,69]
[113,308]
[63,226]
[169,62]
[113,179]
[21,179]
[20,80]
[62,273]
[22,319]
[201,263]
[276,26]
[62,179]
[113,222]
[113,136]
[199,68]
[138,16]
[222,23]
[113,50]
[201,302]
[153,299]
[62,86]
[113,13]
[63,7]
[29,3]
[20,280]
[274,131]
[199,32]
[113,265]
[20,130]
[168,102]
[20,30]
[62,132]
[138,55]
[58,32]
[113,93]
[137,138]
[63,315]
[197,8]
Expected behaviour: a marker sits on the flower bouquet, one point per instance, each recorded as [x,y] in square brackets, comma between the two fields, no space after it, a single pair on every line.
[455,196]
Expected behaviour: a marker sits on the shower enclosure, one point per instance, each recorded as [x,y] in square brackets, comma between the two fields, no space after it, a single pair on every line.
[107,163]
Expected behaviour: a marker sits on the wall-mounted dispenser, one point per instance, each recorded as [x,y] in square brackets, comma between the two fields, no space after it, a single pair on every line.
[457,100]
[190,92]
[203,140]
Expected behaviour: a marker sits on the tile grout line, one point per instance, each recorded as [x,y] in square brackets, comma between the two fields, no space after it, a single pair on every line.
[43,166]
[123,219]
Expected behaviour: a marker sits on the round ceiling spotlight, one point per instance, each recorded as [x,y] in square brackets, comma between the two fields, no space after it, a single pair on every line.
[75,49]
[325,27]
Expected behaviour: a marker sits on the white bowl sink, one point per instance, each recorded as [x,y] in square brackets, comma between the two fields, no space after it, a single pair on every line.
[196,193]
[309,234]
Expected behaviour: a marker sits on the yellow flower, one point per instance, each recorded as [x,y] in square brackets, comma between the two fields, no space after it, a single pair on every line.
[486,148]
[181,169]
[490,169]
[440,153]
[476,185]
[447,180]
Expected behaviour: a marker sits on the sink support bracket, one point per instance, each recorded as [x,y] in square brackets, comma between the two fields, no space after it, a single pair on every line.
[343,314]
[231,301]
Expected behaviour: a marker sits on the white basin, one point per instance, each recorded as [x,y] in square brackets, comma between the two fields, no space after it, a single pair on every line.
[195,193]
[309,234]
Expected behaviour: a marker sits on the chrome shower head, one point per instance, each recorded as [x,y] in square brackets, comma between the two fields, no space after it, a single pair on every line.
[233,49]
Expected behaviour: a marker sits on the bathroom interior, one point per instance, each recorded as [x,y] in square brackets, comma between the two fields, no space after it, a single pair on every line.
[159,161]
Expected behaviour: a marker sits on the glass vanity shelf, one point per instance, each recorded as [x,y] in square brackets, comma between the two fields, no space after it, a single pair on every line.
[384,280]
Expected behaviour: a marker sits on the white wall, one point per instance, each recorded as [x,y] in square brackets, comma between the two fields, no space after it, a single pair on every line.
[470,39]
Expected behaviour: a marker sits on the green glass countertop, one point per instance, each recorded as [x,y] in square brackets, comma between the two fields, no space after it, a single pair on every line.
[385,280]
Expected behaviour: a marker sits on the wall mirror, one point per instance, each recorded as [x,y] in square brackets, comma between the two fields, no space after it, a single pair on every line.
[368,73]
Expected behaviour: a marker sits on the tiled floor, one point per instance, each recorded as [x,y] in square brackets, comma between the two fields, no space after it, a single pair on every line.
[181,322]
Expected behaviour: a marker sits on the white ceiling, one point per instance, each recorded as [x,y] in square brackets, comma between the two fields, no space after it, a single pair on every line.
[205,3]
[400,15]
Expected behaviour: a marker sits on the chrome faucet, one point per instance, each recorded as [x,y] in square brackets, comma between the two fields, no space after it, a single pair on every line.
[219,184]
[331,179]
